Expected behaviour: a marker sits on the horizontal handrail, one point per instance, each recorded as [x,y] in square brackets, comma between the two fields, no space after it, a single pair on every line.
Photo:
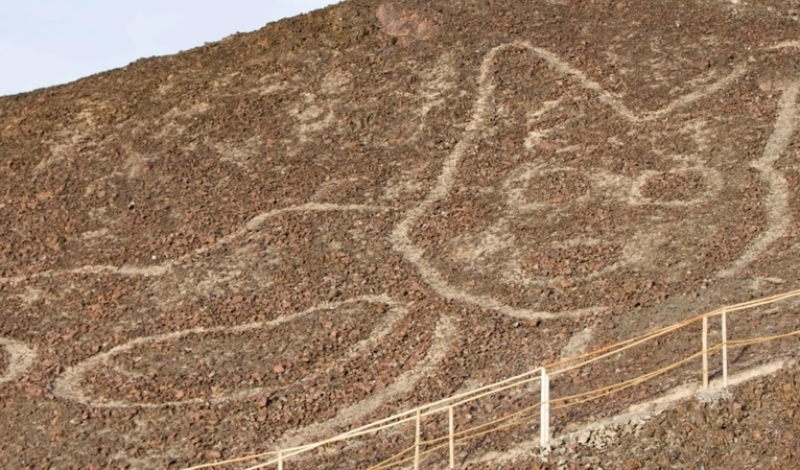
[517,381]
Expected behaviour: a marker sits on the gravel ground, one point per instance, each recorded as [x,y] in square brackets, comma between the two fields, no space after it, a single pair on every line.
[291,232]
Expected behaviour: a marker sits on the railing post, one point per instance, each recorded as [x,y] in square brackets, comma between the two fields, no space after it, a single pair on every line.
[280,460]
[545,411]
[416,439]
[724,348]
[452,429]
[705,351]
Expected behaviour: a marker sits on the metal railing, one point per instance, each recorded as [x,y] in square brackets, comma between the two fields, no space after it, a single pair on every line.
[415,453]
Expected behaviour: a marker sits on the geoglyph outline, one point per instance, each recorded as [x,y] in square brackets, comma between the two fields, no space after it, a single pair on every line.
[20,358]
[67,384]
[786,124]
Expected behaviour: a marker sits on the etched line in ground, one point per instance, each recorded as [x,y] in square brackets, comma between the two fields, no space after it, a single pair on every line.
[496,252]
[69,384]
[72,383]
[156,270]
[19,357]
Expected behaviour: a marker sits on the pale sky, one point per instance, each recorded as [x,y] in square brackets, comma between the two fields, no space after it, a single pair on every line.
[49,42]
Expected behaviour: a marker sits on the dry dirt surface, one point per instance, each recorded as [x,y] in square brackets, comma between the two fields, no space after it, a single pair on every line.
[277,237]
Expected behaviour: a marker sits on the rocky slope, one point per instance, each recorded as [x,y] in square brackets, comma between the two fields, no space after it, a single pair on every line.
[274,238]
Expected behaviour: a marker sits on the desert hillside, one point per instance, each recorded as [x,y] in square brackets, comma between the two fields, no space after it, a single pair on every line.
[275,238]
